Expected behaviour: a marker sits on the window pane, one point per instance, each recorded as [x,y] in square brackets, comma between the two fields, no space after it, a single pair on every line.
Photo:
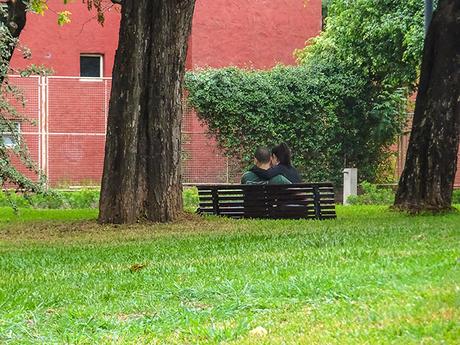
[90,66]
[8,140]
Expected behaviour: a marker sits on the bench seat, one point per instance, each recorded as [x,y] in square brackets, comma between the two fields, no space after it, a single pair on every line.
[288,201]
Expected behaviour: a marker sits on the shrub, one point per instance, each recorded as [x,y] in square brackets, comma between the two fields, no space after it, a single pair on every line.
[52,199]
[86,198]
[191,199]
[342,108]
[372,195]
[13,200]
[456,196]
[320,111]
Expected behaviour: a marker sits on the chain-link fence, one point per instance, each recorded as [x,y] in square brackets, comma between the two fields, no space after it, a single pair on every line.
[29,124]
[67,136]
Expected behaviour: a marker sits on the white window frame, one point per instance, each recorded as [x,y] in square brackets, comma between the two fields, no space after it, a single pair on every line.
[101,67]
[10,134]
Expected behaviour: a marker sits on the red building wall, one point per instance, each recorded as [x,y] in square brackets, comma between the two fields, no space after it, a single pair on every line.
[257,33]
[245,33]
[76,113]
[251,33]
[60,47]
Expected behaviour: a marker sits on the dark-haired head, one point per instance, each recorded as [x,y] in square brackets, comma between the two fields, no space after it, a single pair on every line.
[262,155]
[283,153]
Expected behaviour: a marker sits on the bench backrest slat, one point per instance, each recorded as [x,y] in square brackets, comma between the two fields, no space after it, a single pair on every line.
[293,201]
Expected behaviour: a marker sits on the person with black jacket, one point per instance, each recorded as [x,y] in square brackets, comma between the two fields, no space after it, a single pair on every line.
[281,165]
[262,158]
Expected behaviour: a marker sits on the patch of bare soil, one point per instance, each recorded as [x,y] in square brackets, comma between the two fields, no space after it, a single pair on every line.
[90,231]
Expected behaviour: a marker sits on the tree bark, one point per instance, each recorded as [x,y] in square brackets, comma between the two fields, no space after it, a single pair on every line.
[16,17]
[142,174]
[15,20]
[427,181]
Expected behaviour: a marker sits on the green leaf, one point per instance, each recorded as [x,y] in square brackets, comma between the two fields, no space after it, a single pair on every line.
[64,17]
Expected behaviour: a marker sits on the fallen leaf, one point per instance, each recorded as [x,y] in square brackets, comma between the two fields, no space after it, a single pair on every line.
[137,267]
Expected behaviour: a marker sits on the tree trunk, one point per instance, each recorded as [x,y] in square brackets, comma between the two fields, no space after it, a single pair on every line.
[142,176]
[15,20]
[428,177]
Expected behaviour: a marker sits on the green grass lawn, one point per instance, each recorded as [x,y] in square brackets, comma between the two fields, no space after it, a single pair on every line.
[370,277]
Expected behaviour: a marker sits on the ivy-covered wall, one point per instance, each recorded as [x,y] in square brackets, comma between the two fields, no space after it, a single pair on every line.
[317,110]
[343,106]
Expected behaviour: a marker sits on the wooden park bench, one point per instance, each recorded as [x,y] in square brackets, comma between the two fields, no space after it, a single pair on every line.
[291,201]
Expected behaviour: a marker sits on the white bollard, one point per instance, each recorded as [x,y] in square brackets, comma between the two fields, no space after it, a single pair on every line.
[350,183]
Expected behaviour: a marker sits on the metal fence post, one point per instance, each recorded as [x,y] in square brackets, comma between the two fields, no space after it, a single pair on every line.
[43,128]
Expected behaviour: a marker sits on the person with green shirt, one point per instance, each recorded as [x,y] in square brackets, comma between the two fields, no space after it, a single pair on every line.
[262,160]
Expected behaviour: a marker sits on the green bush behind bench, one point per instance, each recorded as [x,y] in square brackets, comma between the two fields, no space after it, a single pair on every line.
[89,198]
[372,195]
[85,198]
[375,195]
[53,199]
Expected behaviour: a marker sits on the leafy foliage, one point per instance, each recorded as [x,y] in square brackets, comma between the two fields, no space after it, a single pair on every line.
[86,198]
[379,39]
[456,196]
[64,17]
[38,6]
[317,110]
[372,195]
[343,106]
[191,199]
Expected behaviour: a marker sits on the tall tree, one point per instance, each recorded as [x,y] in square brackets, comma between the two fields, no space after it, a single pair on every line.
[142,176]
[431,163]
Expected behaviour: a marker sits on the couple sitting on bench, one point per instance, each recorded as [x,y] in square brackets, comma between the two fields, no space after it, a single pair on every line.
[272,168]
[270,193]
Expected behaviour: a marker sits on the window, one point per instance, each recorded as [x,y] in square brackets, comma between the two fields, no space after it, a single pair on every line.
[8,138]
[91,66]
